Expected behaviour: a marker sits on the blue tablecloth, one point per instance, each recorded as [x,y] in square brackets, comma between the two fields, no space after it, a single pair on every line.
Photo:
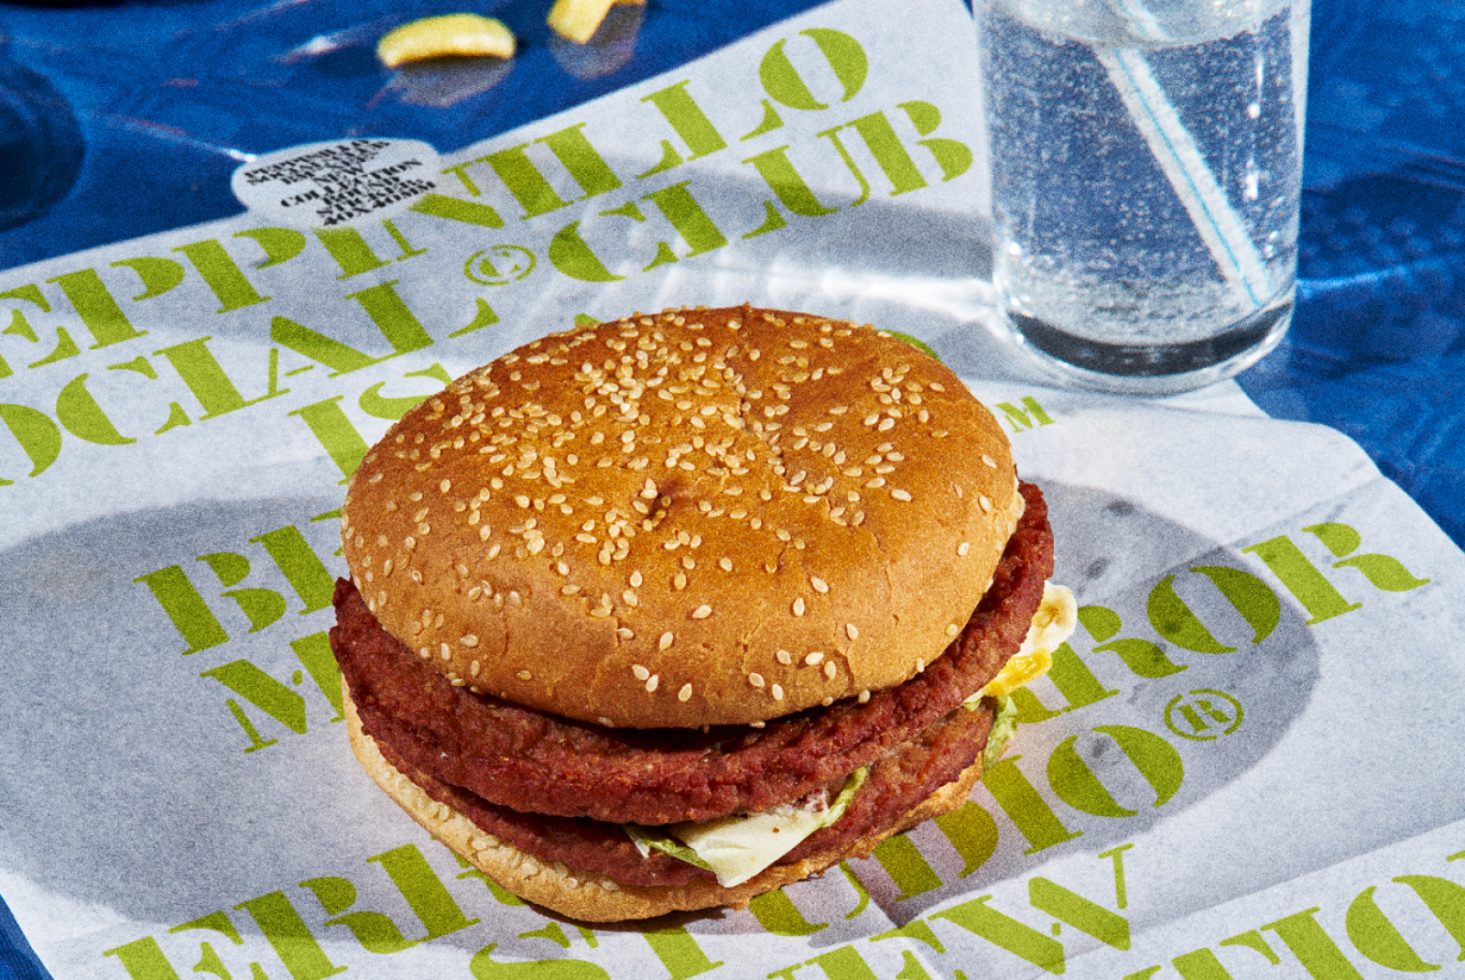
[93,95]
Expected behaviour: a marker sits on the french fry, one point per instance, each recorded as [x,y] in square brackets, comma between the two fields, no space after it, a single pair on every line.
[447,36]
[578,20]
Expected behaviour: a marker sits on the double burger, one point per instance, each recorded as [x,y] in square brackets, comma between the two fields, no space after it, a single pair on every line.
[662,613]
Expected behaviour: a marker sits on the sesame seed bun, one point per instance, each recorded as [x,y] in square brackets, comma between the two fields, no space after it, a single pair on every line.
[591,897]
[689,518]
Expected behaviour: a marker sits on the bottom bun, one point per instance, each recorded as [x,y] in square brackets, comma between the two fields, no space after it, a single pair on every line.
[592,897]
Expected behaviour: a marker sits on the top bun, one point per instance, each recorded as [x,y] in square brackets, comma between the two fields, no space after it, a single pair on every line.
[697,517]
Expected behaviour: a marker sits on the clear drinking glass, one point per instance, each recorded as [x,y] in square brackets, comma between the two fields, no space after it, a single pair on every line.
[1146,169]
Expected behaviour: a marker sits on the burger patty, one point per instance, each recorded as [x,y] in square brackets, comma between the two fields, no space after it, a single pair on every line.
[897,783]
[532,761]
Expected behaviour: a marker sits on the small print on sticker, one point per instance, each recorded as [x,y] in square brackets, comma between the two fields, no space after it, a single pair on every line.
[338,182]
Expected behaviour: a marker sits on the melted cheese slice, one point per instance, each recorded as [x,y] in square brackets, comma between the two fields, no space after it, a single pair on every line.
[736,848]
[1053,623]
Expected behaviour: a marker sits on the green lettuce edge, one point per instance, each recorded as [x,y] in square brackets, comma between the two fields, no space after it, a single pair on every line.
[1004,725]
[664,844]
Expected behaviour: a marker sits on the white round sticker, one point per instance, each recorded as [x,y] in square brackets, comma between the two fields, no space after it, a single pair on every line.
[337,182]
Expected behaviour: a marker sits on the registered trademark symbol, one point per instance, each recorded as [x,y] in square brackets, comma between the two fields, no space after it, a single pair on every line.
[499,265]
[1203,714]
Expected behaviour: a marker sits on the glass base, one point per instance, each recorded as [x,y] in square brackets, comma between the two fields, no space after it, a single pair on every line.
[1150,369]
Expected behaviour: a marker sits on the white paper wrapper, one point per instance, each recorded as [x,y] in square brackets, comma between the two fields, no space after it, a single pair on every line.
[1245,763]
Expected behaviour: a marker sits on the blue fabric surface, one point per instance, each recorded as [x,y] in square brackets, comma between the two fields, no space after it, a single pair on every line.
[17,959]
[222,77]
[1377,347]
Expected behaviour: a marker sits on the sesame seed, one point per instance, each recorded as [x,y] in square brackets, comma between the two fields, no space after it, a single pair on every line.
[814,658]
[685,694]
[777,691]
[636,580]
[445,651]
[640,672]
[989,462]
[652,682]
[830,670]
[469,640]
[524,675]
[985,503]
[900,494]
[819,584]
[798,606]
[784,657]
[755,679]
[952,629]
[963,548]
[725,564]
[756,724]
[702,611]
[886,424]
[851,631]
[666,640]
[864,696]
